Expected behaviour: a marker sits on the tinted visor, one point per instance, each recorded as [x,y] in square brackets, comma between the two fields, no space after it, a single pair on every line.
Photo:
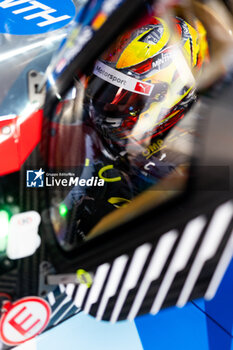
[115,110]
[113,101]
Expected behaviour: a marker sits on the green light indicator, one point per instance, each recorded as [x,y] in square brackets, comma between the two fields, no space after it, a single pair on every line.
[63,210]
[4,229]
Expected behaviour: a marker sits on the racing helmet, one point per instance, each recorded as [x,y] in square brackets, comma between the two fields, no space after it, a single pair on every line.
[144,83]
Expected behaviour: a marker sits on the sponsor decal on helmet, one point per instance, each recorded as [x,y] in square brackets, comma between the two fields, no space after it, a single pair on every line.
[143,88]
[121,80]
[25,17]
[162,61]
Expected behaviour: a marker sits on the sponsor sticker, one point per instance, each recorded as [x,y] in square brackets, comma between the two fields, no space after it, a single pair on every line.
[121,80]
[24,319]
[25,17]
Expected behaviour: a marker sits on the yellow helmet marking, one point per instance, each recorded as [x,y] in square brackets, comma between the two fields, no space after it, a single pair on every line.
[108,179]
[118,201]
[138,52]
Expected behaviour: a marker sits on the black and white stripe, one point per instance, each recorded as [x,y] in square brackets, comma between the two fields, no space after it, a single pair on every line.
[62,306]
[154,270]
[180,259]
[213,236]
[149,276]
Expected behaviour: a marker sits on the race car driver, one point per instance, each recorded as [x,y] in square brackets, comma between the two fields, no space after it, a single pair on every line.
[139,89]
